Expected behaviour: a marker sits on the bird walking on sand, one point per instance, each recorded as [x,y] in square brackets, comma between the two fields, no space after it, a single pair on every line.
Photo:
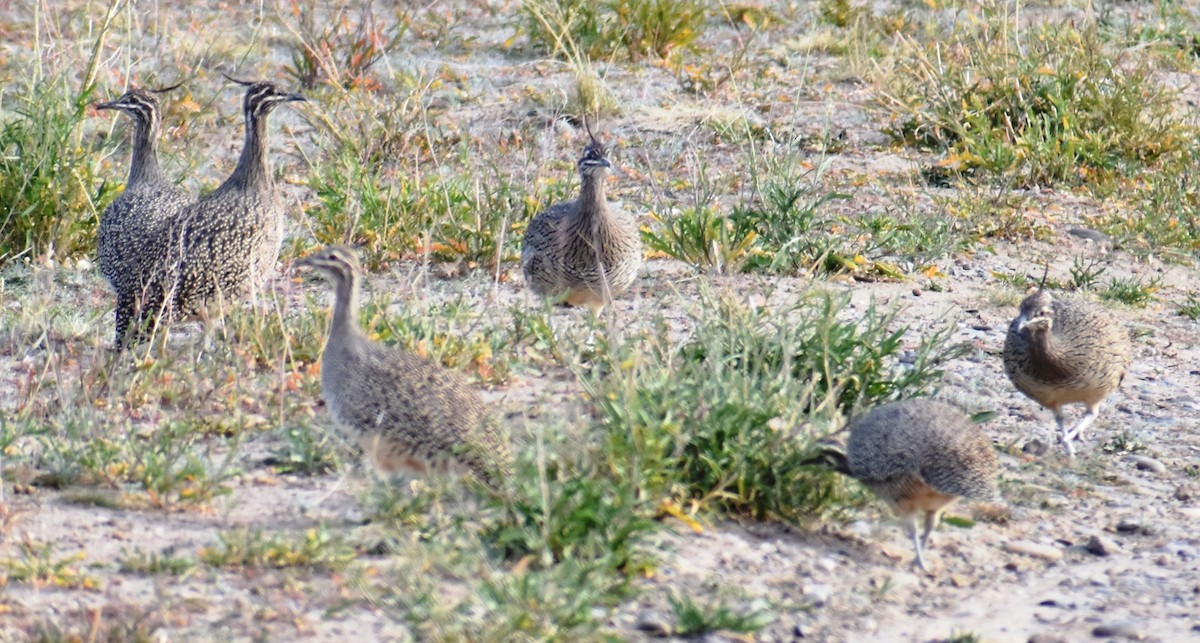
[1066,350]
[408,414]
[918,455]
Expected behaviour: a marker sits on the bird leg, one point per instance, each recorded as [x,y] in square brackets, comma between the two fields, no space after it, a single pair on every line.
[932,518]
[1084,422]
[1064,435]
[910,526]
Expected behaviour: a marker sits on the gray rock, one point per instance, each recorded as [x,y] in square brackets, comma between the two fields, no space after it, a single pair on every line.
[1087,234]
[818,594]
[1034,550]
[654,623]
[1102,546]
[1123,630]
[1046,638]
[1187,491]
[1146,463]
[1036,448]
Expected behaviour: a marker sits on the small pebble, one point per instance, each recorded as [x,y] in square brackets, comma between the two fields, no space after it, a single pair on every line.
[817,594]
[1127,525]
[1187,491]
[1026,548]
[1146,464]
[1046,638]
[1101,546]
[1124,630]
[654,623]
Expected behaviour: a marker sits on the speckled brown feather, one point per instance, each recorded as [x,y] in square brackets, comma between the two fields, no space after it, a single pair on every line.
[904,444]
[225,244]
[131,224]
[581,252]
[407,413]
[1081,358]
[921,455]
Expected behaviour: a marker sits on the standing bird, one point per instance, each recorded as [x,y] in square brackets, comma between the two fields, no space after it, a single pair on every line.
[408,414]
[918,455]
[580,252]
[225,243]
[149,204]
[1066,351]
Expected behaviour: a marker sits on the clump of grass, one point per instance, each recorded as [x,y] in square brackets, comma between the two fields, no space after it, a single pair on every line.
[252,549]
[692,619]
[156,563]
[51,188]
[786,225]
[1124,442]
[1041,105]
[1159,214]
[983,213]
[1190,308]
[762,385]
[452,217]
[598,30]
[340,49]
[39,566]
[1131,292]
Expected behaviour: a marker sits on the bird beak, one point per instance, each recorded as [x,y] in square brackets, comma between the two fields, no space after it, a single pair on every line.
[109,105]
[305,262]
[294,98]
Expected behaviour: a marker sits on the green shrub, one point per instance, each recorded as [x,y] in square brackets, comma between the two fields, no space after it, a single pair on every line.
[726,419]
[51,190]
[1053,105]
[572,29]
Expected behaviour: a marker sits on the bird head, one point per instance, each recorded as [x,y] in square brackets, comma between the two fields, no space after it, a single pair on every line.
[1036,312]
[594,160]
[264,96]
[335,263]
[138,103]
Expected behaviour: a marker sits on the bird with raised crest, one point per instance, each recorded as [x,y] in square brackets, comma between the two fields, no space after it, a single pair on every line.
[150,204]
[583,252]
[226,243]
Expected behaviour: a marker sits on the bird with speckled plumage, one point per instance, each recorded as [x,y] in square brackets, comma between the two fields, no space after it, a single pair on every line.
[408,414]
[1066,350]
[225,244]
[918,456]
[583,252]
[149,205]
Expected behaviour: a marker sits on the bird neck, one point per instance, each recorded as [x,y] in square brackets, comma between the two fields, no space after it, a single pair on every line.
[1047,361]
[345,309]
[252,170]
[592,203]
[143,164]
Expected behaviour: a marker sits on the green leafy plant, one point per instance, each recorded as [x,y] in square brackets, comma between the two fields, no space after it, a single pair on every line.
[692,619]
[1052,106]
[595,30]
